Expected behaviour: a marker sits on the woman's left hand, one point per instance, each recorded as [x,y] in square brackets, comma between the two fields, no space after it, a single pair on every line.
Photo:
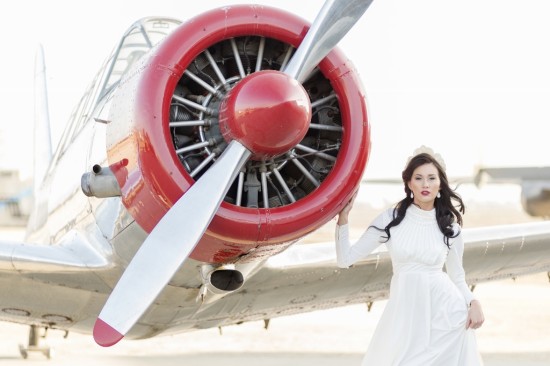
[343,214]
[475,315]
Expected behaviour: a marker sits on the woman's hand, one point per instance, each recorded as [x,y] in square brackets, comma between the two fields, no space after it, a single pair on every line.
[344,213]
[475,315]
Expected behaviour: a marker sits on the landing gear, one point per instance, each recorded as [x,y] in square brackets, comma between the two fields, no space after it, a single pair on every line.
[34,338]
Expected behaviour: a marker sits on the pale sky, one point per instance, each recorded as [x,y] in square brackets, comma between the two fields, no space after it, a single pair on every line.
[470,78]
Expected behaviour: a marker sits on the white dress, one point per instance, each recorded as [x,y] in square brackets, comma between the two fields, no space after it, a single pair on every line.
[424,321]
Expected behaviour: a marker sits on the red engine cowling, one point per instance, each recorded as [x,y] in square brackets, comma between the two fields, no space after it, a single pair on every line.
[165,131]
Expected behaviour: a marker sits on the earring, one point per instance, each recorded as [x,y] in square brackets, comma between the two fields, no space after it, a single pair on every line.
[412,195]
[439,194]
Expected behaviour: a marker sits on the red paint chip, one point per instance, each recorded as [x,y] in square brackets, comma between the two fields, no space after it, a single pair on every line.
[105,335]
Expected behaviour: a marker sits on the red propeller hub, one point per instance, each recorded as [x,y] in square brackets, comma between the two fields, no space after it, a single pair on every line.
[268,112]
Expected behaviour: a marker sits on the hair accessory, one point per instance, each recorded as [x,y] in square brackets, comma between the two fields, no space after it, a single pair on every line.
[429,151]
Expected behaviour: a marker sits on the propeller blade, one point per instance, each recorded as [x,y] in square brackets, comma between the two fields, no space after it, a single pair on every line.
[333,21]
[167,247]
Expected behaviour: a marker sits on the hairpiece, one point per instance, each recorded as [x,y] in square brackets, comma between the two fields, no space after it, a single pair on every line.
[426,150]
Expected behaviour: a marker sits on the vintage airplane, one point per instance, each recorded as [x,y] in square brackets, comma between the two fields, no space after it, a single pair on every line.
[201,152]
[534,182]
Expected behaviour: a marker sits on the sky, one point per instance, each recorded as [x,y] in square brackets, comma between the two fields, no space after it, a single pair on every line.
[470,78]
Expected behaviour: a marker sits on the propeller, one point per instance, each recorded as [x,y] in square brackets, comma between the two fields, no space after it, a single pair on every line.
[164,250]
[333,21]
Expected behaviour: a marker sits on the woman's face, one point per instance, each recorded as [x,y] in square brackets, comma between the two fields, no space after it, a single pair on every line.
[424,184]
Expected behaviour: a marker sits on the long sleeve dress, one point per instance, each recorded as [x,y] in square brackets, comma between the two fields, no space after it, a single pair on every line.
[424,321]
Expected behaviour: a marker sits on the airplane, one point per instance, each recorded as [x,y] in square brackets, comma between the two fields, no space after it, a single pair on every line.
[534,182]
[201,153]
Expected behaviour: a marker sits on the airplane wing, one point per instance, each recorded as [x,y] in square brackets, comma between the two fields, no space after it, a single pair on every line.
[306,278]
[301,279]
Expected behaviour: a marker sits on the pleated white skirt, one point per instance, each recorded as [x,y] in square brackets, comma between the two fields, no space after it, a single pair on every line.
[423,324]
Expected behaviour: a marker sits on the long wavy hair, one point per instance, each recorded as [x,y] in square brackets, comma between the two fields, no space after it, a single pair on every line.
[446,212]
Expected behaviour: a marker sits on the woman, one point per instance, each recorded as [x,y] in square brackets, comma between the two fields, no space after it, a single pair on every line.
[430,315]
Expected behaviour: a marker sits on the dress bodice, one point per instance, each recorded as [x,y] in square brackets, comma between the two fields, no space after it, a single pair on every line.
[417,241]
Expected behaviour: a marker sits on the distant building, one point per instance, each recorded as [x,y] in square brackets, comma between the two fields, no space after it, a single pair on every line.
[15,199]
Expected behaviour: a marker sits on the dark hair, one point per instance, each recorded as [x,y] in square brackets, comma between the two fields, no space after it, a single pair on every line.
[445,212]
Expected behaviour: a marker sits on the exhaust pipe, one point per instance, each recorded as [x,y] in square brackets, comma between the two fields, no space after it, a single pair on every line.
[221,279]
[100,182]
